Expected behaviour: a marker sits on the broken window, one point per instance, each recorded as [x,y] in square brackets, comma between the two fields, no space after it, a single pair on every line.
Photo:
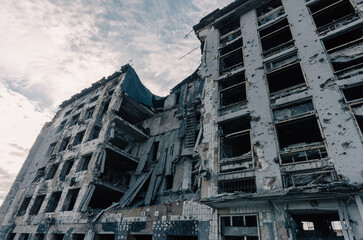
[324,225]
[93,99]
[64,144]
[10,236]
[70,200]
[104,196]
[80,106]
[282,61]
[39,175]
[235,145]
[231,56]
[83,164]
[105,107]
[239,227]
[95,132]
[68,112]
[78,236]
[105,237]
[51,149]
[53,202]
[269,12]
[66,169]
[292,123]
[61,125]
[119,142]
[230,31]
[52,171]
[89,112]
[233,90]
[247,185]
[332,14]
[287,77]
[354,96]
[39,236]
[37,205]
[74,120]
[78,138]
[177,97]
[276,38]
[304,178]
[58,236]
[169,182]
[171,237]
[345,53]
[24,206]
[24,236]
[155,149]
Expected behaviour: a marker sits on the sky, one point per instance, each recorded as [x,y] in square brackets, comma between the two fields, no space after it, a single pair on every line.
[51,50]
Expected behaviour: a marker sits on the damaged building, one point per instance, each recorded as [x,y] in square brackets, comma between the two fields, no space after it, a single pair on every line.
[262,142]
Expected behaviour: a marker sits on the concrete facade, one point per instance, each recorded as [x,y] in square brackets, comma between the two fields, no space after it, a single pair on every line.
[263,141]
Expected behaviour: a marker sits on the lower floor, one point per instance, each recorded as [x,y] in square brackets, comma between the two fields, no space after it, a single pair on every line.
[337,217]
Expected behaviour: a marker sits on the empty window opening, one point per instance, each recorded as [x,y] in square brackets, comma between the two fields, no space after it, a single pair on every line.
[103,197]
[105,237]
[51,149]
[10,236]
[155,149]
[235,145]
[39,175]
[239,227]
[353,93]
[231,56]
[140,237]
[357,110]
[37,205]
[230,27]
[53,202]
[293,111]
[233,90]
[66,169]
[177,97]
[169,182]
[70,200]
[68,112]
[58,236]
[24,206]
[324,225]
[80,106]
[171,237]
[105,107]
[247,185]
[78,138]
[74,120]
[62,125]
[89,112]
[345,39]
[286,78]
[39,236]
[24,236]
[269,11]
[119,142]
[309,177]
[276,38]
[281,62]
[83,164]
[64,144]
[78,236]
[52,171]
[93,99]
[95,132]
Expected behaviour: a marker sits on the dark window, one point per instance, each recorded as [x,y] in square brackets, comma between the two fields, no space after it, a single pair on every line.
[78,138]
[58,236]
[51,149]
[232,226]
[52,171]
[177,97]
[61,125]
[169,182]
[74,120]
[104,236]
[70,200]
[247,185]
[66,169]
[24,205]
[232,90]
[10,236]
[353,93]
[231,56]
[95,132]
[39,175]
[37,205]
[67,113]
[24,236]
[105,107]
[78,236]
[229,27]
[89,112]
[83,164]
[64,144]
[155,150]
[269,11]
[338,41]
[39,236]
[80,106]
[53,202]
[94,99]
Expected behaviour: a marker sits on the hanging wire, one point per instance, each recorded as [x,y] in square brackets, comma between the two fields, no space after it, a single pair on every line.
[189,52]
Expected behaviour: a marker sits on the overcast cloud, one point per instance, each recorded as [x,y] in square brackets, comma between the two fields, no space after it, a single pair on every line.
[50,50]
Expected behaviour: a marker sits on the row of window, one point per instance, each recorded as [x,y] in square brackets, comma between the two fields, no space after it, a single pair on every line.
[52,204]
[42,236]
[67,166]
